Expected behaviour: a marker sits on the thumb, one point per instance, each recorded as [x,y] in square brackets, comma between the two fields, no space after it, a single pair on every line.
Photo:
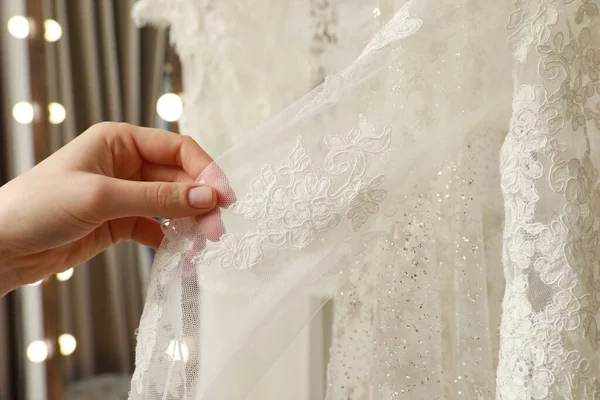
[158,199]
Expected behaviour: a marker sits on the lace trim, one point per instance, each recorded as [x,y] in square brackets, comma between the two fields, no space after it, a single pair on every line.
[549,324]
[293,203]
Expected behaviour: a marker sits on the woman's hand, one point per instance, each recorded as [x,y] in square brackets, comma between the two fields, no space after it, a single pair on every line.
[98,190]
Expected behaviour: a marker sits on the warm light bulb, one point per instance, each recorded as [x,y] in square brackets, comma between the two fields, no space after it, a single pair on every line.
[36,283]
[52,30]
[169,107]
[37,351]
[67,344]
[23,112]
[177,350]
[57,113]
[18,26]
[65,275]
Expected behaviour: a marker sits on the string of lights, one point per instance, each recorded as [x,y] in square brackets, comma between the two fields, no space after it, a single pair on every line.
[21,27]
[50,344]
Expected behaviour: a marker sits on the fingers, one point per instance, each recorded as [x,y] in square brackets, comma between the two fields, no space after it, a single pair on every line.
[156,146]
[121,198]
[40,265]
[146,231]
[143,230]
[156,155]
[163,173]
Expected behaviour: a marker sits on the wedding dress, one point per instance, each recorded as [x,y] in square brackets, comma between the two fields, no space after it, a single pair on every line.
[449,163]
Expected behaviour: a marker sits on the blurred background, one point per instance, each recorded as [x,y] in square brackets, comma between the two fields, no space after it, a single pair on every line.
[67,64]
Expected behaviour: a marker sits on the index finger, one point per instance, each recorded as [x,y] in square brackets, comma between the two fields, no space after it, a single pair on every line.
[187,154]
[165,148]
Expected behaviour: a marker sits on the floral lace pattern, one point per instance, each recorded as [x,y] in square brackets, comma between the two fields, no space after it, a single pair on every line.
[552,206]
[295,202]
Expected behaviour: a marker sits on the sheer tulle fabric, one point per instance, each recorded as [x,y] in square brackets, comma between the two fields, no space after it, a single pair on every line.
[380,191]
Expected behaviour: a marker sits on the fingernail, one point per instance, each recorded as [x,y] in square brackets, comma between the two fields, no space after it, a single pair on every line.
[201,197]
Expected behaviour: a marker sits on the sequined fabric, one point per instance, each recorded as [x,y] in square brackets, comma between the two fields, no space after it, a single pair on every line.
[439,190]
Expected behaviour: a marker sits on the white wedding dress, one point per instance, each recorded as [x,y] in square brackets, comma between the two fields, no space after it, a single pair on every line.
[440,188]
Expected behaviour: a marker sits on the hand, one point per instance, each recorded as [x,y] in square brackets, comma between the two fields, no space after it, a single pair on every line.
[98,190]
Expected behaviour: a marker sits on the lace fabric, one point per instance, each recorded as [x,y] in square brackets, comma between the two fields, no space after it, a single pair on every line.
[549,179]
[385,190]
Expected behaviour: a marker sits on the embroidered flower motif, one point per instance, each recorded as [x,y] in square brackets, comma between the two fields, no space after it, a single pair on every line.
[554,148]
[563,311]
[527,371]
[356,142]
[518,162]
[165,265]
[515,300]
[259,201]
[549,263]
[233,252]
[521,250]
[365,201]
[347,156]
[293,205]
[526,30]
[300,212]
